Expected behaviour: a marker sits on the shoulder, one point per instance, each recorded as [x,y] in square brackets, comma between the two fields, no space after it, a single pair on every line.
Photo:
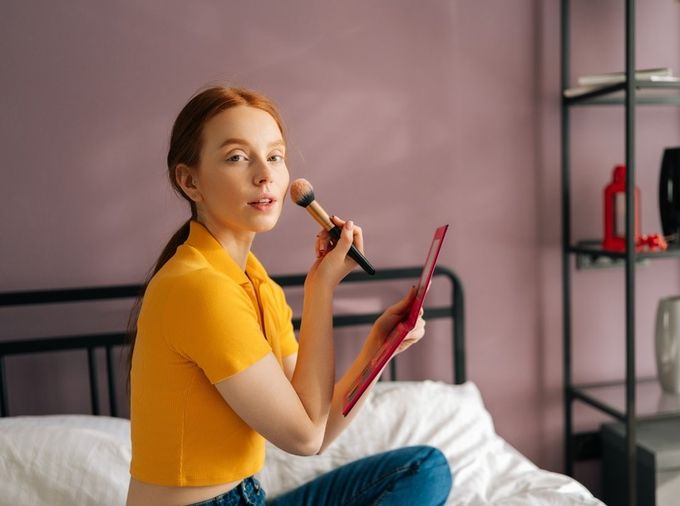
[205,286]
[200,288]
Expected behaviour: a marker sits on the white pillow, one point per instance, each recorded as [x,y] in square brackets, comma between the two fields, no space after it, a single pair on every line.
[64,460]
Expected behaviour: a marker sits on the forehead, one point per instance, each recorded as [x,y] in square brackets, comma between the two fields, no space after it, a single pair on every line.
[242,122]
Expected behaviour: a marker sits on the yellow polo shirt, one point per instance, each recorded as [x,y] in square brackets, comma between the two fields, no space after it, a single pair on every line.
[202,320]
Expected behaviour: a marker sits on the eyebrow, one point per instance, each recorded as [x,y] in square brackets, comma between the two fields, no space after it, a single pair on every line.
[236,140]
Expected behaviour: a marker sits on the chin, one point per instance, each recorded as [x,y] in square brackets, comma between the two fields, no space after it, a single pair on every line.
[265,225]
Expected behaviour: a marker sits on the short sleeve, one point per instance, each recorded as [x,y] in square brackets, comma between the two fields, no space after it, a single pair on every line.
[211,321]
[289,344]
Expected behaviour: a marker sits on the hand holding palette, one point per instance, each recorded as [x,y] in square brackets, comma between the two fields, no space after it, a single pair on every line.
[397,335]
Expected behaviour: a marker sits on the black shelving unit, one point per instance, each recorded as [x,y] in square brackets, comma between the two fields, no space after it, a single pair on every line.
[617,399]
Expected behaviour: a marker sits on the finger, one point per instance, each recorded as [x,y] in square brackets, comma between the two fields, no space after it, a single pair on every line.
[404,303]
[358,235]
[417,331]
[343,244]
[410,340]
[325,241]
[358,238]
[405,344]
[337,221]
[319,247]
[415,335]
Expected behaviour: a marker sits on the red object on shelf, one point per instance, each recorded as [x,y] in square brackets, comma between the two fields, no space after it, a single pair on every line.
[651,242]
[615,212]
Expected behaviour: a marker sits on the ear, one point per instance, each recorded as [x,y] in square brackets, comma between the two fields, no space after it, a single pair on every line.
[187,179]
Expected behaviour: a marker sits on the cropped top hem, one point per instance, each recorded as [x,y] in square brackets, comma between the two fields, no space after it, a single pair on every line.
[194,481]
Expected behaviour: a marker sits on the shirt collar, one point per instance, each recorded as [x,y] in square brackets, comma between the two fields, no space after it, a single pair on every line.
[201,239]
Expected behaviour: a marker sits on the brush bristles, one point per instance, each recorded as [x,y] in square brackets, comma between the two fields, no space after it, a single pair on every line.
[302,192]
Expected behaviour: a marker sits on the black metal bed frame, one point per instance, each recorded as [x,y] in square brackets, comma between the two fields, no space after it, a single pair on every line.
[91,342]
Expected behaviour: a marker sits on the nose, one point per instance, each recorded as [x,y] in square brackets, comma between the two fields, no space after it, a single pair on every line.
[262,172]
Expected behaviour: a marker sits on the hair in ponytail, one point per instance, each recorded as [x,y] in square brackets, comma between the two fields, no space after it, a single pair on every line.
[186,142]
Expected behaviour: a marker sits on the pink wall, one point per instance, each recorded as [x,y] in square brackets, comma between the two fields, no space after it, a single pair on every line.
[403,115]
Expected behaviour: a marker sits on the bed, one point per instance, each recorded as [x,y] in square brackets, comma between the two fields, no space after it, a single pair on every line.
[83,459]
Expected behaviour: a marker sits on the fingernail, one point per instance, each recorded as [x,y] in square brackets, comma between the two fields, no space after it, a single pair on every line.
[350,224]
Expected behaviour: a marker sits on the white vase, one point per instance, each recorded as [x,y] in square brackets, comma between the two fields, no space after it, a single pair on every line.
[667,343]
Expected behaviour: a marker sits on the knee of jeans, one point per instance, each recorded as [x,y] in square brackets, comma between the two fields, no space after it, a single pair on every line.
[434,462]
[430,456]
[430,468]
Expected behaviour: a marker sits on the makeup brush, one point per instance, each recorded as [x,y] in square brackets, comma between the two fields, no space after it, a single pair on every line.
[302,194]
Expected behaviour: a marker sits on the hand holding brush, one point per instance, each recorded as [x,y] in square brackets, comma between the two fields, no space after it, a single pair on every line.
[302,193]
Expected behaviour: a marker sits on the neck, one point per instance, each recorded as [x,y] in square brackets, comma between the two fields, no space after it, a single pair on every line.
[237,244]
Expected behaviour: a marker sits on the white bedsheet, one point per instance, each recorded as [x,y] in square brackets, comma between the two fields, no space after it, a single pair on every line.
[79,459]
[486,469]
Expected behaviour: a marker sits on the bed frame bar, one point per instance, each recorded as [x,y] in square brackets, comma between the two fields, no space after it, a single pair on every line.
[91,342]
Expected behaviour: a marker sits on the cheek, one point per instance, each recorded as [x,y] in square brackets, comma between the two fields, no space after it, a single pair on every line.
[285,175]
[222,194]
[284,180]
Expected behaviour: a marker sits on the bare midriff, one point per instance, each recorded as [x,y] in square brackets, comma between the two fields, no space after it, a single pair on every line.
[146,494]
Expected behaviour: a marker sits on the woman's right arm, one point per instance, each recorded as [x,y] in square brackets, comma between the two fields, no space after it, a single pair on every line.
[293,414]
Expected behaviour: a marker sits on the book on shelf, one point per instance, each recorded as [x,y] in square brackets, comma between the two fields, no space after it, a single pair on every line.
[588,84]
[652,74]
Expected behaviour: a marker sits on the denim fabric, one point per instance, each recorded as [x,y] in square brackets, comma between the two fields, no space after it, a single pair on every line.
[247,493]
[415,475]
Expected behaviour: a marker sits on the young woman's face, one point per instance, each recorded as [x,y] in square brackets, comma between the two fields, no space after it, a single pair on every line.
[243,176]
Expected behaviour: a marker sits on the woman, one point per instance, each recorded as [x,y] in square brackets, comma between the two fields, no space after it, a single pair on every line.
[215,366]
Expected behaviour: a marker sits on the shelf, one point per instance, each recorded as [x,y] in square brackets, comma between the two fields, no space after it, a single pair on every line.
[591,255]
[651,401]
[649,93]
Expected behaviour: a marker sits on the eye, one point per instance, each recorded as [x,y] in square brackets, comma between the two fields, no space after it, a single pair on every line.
[277,157]
[236,157]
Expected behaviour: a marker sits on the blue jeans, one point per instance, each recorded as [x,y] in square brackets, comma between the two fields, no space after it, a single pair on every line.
[247,493]
[407,476]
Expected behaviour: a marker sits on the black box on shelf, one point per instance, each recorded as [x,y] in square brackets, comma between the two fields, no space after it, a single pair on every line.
[658,463]
[669,195]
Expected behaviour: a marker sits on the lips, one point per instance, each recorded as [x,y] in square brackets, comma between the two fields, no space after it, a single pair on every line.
[263,200]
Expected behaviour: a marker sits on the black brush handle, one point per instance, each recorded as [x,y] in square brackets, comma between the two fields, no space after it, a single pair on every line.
[354,253]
